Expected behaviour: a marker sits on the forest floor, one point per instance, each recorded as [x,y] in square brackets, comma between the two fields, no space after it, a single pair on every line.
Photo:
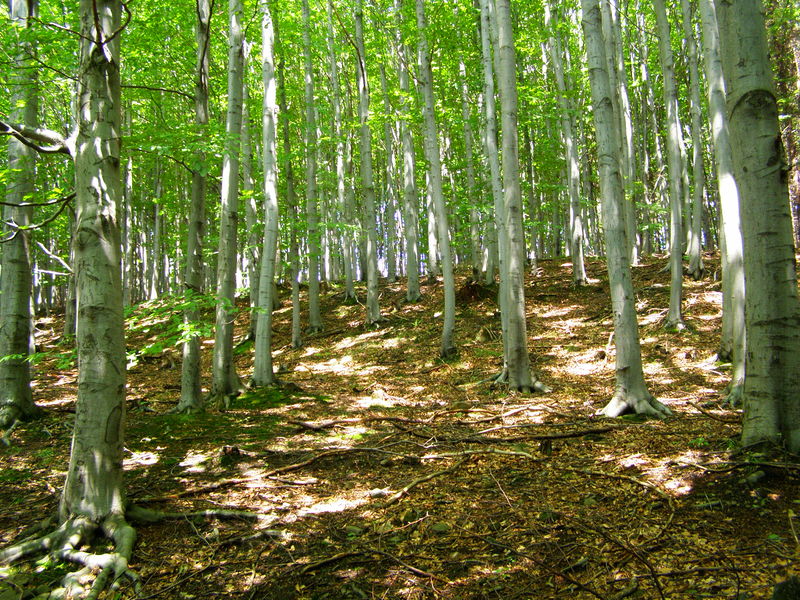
[379,471]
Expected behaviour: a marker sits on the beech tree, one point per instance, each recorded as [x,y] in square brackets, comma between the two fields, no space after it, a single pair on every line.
[772,310]
[631,391]
[93,498]
[225,382]
[16,400]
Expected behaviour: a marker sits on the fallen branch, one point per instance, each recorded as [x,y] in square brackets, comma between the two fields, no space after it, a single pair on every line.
[407,488]
[316,565]
[411,568]
[710,415]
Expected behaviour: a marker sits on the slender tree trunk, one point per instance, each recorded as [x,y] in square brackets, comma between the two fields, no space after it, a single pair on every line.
[251,257]
[373,308]
[447,347]
[573,173]
[410,198]
[225,382]
[391,177]
[474,218]
[517,360]
[191,395]
[631,391]
[694,248]
[732,344]
[338,135]
[772,311]
[496,244]
[16,400]
[674,316]
[312,210]
[262,371]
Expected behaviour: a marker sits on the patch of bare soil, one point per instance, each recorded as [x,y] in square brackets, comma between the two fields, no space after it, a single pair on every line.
[379,471]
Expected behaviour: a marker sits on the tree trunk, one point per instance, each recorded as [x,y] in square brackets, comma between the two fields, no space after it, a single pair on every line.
[390,195]
[225,382]
[372,306]
[694,248]
[191,395]
[772,311]
[576,234]
[410,199]
[338,135]
[312,211]
[16,400]
[674,316]
[732,343]
[631,391]
[517,359]
[447,347]
[474,218]
[262,371]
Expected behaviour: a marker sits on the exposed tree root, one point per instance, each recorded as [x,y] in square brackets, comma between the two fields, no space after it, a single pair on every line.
[536,385]
[66,544]
[644,404]
[734,394]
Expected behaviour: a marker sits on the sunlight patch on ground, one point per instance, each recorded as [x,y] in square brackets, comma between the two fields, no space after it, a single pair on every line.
[339,366]
[584,363]
[331,505]
[140,459]
[556,312]
[349,342]
[194,462]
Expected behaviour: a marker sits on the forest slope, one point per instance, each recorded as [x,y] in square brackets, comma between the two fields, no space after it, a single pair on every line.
[380,471]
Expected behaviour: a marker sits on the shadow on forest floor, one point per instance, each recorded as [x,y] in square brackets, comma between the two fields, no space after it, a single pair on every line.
[379,471]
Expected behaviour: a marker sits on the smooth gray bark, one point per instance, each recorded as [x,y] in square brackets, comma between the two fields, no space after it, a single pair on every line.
[447,347]
[732,342]
[191,395]
[312,210]
[16,400]
[262,371]
[675,167]
[224,380]
[517,360]
[772,310]
[367,179]
[631,391]
[694,248]
[576,235]
[93,486]
[410,198]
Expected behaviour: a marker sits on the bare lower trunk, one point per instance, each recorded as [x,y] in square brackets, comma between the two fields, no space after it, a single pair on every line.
[772,311]
[225,381]
[631,391]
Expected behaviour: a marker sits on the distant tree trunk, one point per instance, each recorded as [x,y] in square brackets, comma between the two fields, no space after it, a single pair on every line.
[447,347]
[225,382]
[474,218]
[674,316]
[262,371]
[251,256]
[410,198]
[573,173]
[16,400]
[291,201]
[631,390]
[694,248]
[191,396]
[496,244]
[373,308]
[732,343]
[517,360]
[391,176]
[338,135]
[312,211]
[772,311]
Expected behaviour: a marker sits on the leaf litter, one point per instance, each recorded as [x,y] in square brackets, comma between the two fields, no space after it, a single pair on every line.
[380,471]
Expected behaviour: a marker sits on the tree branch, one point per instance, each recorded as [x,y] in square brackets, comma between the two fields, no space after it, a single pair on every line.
[33,137]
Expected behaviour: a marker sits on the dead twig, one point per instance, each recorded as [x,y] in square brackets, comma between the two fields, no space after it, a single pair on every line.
[411,568]
[710,415]
[316,565]
[408,487]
